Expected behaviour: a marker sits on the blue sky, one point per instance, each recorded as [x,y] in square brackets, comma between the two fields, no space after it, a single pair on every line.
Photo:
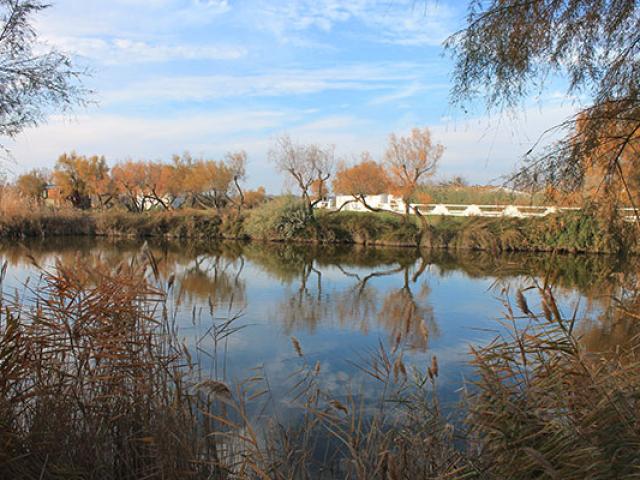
[211,76]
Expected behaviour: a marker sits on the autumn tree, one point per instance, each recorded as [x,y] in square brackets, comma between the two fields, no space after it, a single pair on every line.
[34,77]
[367,177]
[33,184]
[610,173]
[82,178]
[130,180]
[308,166]
[410,161]
[254,198]
[210,182]
[510,47]
[160,184]
[144,184]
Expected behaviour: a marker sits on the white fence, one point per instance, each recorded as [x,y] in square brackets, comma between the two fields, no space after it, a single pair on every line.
[517,211]
[455,210]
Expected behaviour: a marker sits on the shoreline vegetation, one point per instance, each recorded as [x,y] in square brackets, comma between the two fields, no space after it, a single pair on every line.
[286,220]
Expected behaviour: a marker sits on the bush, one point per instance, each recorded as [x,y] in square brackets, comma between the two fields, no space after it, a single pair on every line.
[284,218]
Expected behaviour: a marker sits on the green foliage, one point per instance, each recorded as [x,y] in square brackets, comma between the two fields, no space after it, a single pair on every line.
[575,231]
[194,224]
[368,228]
[284,218]
[473,195]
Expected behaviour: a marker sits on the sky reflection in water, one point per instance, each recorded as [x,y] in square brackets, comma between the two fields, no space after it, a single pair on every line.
[339,302]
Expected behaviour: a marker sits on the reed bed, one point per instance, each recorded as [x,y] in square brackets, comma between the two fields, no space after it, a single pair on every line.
[96,383]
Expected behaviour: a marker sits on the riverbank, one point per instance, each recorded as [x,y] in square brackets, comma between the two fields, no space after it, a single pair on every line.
[573,232]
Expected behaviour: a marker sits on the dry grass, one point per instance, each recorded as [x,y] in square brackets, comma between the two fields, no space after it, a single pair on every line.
[545,406]
[12,203]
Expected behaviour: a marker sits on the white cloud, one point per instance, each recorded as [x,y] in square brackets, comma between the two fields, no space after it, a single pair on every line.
[126,51]
[120,136]
[407,91]
[133,31]
[360,77]
[486,148]
[481,149]
[403,22]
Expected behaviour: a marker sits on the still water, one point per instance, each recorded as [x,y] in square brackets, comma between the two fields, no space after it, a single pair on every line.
[340,303]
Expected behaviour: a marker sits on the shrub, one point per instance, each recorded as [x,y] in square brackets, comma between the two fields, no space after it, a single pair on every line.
[281,218]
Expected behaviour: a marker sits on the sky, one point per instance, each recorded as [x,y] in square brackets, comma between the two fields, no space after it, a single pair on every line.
[212,76]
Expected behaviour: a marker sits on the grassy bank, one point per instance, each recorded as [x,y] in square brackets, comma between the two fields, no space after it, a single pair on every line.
[285,220]
[193,224]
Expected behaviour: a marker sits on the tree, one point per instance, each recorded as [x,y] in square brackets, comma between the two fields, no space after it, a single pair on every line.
[80,178]
[611,175]
[130,178]
[309,166]
[367,177]
[457,181]
[410,160]
[509,47]
[236,162]
[159,185]
[209,183]
[33,184]
[33,80]
[144,184]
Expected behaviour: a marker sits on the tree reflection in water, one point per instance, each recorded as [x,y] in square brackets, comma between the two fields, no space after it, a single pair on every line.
[350,287]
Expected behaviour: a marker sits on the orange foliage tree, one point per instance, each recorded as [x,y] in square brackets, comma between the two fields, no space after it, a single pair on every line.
[410,160]
[611,167]
[144,184]
[82,179]
[254,198]
[367,177]
[33,184]
[130,179]
[200,182]
[206,183]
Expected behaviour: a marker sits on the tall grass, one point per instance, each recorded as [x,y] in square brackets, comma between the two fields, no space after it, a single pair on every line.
[545,406]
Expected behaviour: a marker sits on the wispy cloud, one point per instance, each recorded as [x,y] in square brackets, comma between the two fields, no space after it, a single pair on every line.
[408,91]
[358,77]
[135,31]
[124,51]
[402,22]
[120,136]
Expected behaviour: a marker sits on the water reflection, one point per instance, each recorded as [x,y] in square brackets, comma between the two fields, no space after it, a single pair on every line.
[340,300]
